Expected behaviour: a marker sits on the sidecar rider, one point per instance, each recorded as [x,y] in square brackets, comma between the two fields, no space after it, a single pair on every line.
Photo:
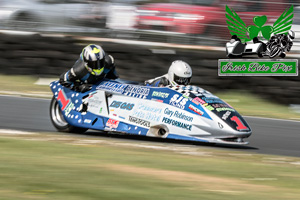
[92,66]
[264,46]
[180,73]
[290,38]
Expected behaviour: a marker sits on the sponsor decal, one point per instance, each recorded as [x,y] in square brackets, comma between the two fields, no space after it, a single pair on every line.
[198,101]
[139,121]
[158,100]
[122,105]
[209,107]
[137,91]
[177,114]
[224,109]
[112,124]
[160,94]
[178,101]
[129,90]
[146,115]
[92,94]
[226,115]
[177,123]
[220,125]
[186,95]
[212,100]
[113,87]
[94,102]
[220,105]
[195,102]
[147,112]
[149,108]
[196,110]
[69,108]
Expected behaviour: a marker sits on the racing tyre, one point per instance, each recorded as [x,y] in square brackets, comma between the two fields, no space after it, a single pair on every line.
[275,51]
[282,55]
[59,121]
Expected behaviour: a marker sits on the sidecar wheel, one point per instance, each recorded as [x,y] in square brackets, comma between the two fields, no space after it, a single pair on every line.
[59,121]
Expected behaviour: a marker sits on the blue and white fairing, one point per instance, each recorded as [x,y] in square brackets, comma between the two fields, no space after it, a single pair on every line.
[183,112]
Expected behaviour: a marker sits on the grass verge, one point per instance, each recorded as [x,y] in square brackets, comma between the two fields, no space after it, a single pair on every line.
[24,84]
[70,168]
[252,105]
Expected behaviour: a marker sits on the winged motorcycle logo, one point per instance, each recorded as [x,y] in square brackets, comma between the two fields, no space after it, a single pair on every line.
[261,40]
[238,27]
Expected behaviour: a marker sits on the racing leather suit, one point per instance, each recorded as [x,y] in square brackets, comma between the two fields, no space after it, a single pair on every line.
[160,81]
[79,76]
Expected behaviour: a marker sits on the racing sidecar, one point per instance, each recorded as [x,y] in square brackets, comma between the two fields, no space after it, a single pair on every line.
[182,112]
[238,49]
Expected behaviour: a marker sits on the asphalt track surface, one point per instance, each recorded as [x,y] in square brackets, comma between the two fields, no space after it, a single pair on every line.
[270,136]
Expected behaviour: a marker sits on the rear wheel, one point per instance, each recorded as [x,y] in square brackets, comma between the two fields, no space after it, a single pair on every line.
[59,121]
[282,55]
[275,51]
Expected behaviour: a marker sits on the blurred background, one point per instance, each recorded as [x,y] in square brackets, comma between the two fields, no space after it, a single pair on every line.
[45,37]
[196,22]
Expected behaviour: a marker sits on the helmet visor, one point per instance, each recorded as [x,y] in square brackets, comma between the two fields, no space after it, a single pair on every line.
[182,80]
[98,64]
[97,72]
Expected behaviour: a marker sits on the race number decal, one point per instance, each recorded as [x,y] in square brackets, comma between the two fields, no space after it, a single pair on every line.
[240,125]
[63,100]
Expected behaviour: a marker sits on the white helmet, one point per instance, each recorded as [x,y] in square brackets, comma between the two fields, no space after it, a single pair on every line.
[180,73]
[291,34]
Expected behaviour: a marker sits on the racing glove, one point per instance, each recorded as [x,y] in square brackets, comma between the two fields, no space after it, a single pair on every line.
[83,88]
[66,84]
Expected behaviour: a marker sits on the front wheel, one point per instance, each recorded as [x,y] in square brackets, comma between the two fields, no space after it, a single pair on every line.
[275,51]
[59,121]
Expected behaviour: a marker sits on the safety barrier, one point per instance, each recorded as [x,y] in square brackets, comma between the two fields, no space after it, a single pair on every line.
[47,56]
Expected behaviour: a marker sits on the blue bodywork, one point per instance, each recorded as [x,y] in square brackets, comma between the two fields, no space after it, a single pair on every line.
[70,102]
